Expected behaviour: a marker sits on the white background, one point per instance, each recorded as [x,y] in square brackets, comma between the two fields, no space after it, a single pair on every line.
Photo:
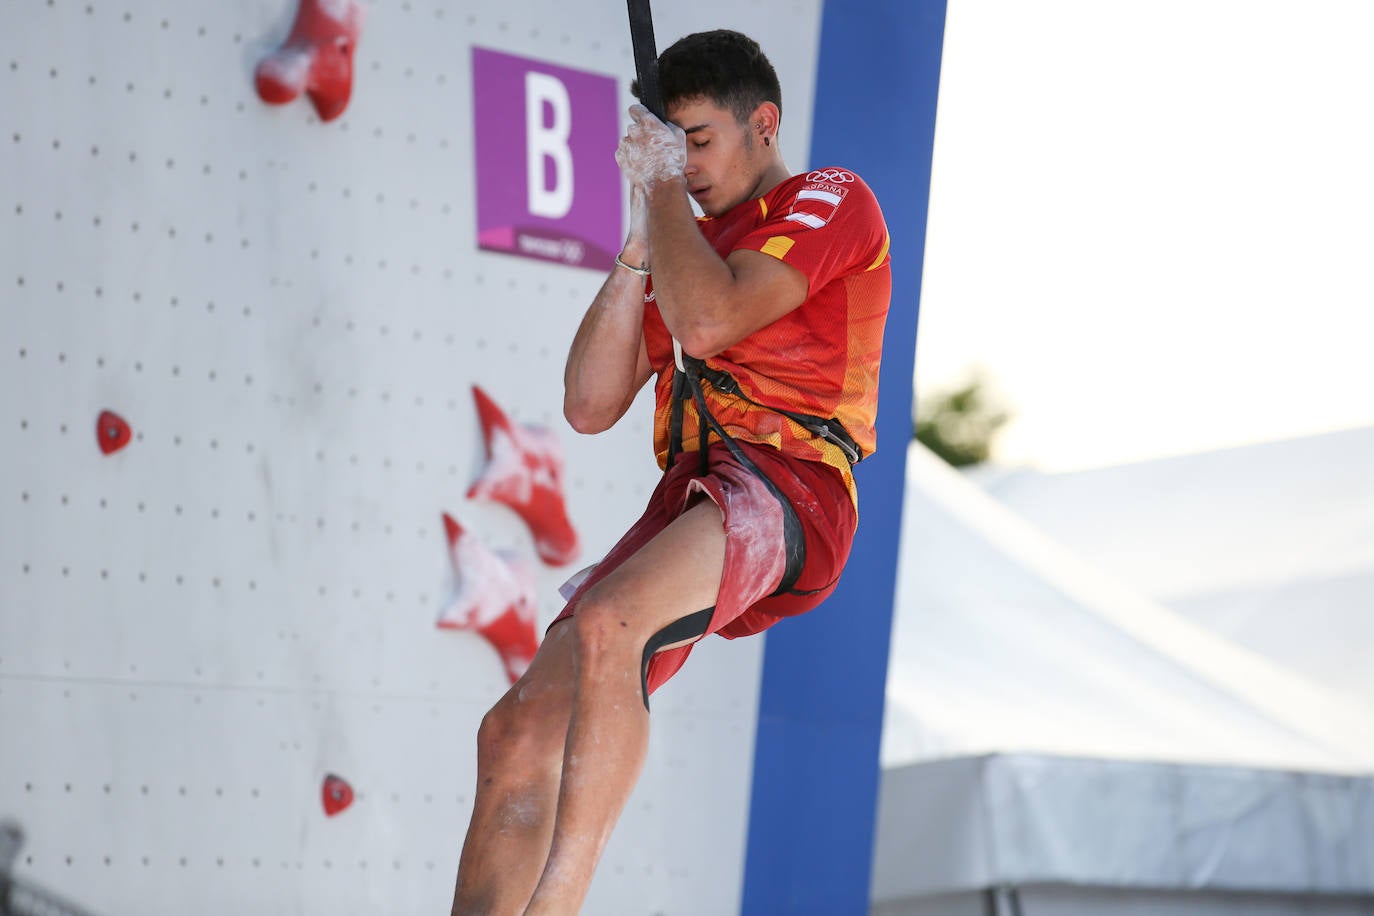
[1150,222]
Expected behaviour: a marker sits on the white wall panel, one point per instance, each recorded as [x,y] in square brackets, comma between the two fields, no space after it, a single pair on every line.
[195,630]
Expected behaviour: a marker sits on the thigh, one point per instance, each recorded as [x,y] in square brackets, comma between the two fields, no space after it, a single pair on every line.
[674,574]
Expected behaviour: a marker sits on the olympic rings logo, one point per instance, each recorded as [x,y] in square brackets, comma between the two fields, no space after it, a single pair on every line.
[835,176]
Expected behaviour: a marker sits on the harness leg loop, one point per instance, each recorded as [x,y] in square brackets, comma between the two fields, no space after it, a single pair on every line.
[691,627]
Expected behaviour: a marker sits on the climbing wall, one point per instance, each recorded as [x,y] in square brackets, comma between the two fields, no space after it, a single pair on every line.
[285,490]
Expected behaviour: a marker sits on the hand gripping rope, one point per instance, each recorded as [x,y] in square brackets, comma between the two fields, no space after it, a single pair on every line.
[687,382]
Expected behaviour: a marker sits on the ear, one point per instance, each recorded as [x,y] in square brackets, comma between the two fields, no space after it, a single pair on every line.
[765,121]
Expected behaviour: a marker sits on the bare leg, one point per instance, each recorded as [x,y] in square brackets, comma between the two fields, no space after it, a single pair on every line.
[675,574]
[519,754]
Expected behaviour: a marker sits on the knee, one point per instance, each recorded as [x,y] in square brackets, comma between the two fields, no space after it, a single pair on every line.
[604,632]
[520,733]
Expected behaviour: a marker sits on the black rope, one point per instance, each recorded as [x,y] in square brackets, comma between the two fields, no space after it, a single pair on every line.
[675,416]
[646,56]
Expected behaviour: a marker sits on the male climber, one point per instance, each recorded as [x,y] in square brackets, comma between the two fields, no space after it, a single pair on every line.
[762,325]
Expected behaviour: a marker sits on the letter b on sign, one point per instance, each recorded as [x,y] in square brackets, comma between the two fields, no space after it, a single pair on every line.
[547,183]
[550,189]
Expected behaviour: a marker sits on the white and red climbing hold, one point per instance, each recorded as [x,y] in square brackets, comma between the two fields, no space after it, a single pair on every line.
[494,596]
[524,471]
[316,58]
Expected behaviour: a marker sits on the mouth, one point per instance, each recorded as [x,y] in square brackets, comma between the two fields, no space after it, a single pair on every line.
[699,193]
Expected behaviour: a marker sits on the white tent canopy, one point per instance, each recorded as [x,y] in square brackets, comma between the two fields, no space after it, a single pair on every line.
[1050,728]
[1270,546]
[1004,641]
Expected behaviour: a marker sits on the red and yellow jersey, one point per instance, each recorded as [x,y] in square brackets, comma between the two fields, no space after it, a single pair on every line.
[821,358]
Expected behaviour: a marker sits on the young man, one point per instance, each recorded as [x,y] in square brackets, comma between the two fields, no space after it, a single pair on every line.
[762,325]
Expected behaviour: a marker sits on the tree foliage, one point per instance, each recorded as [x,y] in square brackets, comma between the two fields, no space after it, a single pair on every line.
[959,424]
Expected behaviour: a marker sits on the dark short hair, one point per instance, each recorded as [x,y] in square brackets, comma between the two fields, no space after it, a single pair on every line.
[724,66]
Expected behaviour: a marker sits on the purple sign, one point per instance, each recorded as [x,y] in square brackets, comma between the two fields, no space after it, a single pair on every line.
[548,186]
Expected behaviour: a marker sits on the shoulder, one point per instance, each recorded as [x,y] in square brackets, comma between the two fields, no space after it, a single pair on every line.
[827,197]
[829,187]
[832,174]
[835,180]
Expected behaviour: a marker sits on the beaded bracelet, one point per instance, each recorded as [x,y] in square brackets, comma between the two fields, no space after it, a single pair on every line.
[642,271]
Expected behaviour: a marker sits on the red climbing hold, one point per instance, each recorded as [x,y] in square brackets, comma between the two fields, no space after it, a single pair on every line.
[494,596]
[525,472]
[112,432]
[317,58]
[338,794]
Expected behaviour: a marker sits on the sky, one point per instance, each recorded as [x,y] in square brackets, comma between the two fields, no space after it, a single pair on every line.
[1152,223]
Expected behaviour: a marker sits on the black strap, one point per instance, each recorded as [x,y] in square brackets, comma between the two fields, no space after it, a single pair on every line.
[675,416]
[693,626]
[831,430]
[703,435]
[646,56]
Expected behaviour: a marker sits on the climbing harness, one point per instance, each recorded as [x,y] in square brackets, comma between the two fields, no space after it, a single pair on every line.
[688,375]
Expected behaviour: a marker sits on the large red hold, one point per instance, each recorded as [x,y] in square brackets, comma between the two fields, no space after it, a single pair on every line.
[316,58]
[524,471]
[494,595]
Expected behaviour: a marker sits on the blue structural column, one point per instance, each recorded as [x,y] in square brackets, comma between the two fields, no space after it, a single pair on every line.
[821,705]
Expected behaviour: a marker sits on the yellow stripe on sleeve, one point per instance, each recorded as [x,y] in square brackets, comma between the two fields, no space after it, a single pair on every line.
[778,246]
[878,261]
[763,208]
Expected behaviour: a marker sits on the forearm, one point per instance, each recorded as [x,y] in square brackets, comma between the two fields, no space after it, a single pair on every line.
[693,286]
[603,372]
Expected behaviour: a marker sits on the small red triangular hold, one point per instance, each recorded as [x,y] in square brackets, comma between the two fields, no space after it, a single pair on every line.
[338,794]
[112,432]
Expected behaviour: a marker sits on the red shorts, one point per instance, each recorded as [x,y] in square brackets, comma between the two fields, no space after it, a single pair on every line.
[754,549]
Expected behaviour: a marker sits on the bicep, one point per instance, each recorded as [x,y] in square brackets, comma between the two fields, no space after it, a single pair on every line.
[765,289]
